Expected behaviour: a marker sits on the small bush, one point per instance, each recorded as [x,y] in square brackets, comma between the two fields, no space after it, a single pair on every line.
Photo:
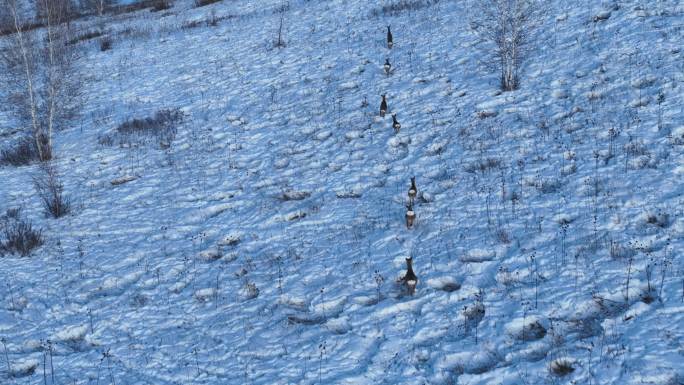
[51,192]
[397,7]
[10,29]
[105,44]
[105,140]
[619,251]
[162,126]
[636,148]
[659,218]
[21,153]
[19,235]
[677,136]
[161,5]
[162,119]
[13,213]
[202,3]
[561,367]
[482,165]
[132,7]
[88,35]
[503,236]
[548,186]
[211,21]
[193,24]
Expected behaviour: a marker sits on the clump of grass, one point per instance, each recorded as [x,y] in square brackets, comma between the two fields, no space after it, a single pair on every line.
[51,192]
[88,35]
[659,218]
[617,250]
[163,119]
[503,236]
[161,126]
[397,7]
[19,235]
[561,367]
[161,5]
[202,3]
[105,44]
[21,153]
[482,165]
[636,148]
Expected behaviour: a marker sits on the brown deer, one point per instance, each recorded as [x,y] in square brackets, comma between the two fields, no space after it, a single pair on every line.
[395,123]
[410,280]
[413,190]
[387,66]
[410,215]
[389,38]
[383,106]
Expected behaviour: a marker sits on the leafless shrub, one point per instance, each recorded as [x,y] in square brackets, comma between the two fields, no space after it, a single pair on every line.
[508,29]
[162,126]
[532,331]
[592,186]
[51,192]
[503,236]
[397,7]
[193,24]
[139,300]
[548,185]
[292,195]
[161,5]
[677,136]
[20,237]
[21,153]
[7,26]
[13,213]
[484,114]
[105,44]
[482,165]
[617,250]
[561,367]
[163,119]
[133,7]
[106,140]
[111,7]
[474,313]
[137,32]
[635,148]
[211,21]
[202,3]
[657,218]
[87,35]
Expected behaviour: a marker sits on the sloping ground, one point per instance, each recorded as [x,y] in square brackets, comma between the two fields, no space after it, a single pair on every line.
[263,244]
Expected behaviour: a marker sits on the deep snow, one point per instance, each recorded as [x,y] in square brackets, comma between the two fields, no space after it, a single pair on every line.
[264,245]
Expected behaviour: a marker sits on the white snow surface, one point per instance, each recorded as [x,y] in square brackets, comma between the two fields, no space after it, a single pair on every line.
[264,245]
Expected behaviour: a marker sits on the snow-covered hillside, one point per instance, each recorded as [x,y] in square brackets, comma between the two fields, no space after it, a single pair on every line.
[261,241]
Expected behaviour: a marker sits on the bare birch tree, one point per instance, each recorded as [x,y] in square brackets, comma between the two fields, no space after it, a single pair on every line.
[509,29]
[37,66]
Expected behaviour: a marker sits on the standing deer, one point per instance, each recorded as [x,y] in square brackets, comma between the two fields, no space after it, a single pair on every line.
[383,106]
[395,123]
[410,215]
[413,190]
[410,280]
